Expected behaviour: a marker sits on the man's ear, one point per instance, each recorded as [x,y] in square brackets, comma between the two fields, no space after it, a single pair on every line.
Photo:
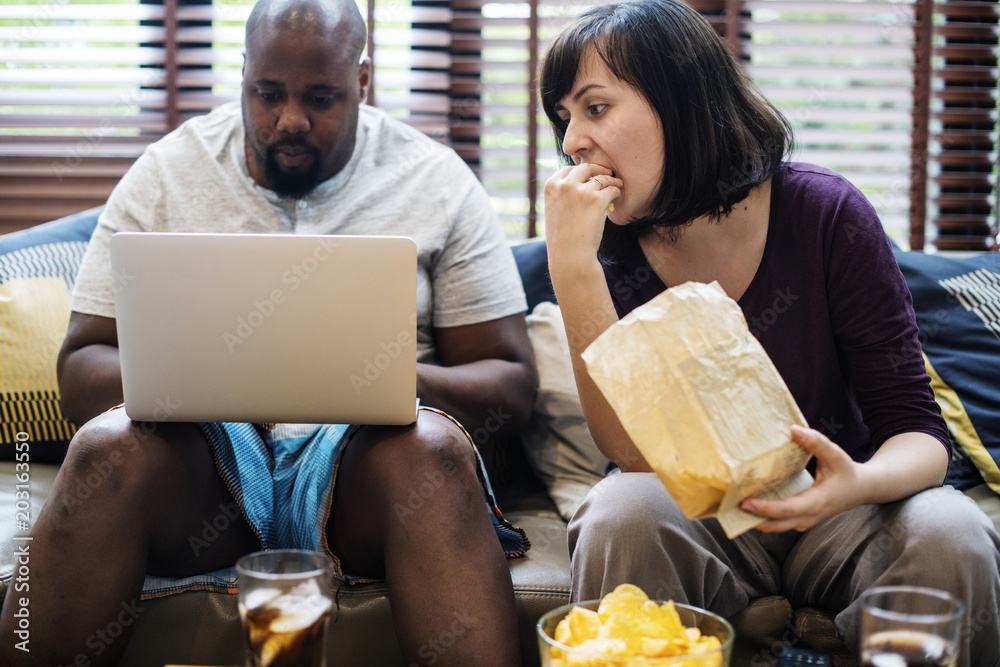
[364,79]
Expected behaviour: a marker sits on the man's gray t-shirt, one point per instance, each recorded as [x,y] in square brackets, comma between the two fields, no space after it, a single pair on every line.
[398,182]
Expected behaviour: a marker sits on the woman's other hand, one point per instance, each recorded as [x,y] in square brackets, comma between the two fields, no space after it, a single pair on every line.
[838,487]
[905,464]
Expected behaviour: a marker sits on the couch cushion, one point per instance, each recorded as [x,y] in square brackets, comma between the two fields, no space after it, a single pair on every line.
[37,270]
[557,441]
[13,476]
[957,303]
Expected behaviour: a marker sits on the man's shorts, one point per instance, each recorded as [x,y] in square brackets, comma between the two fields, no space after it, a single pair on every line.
[282,478]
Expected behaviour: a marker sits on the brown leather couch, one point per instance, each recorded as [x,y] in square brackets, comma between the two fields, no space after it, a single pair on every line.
[203,628]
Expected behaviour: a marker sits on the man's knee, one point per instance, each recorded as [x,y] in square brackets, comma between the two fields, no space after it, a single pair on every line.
[107,437]
[435,447]
[104,458]
[428,468]
[443,442]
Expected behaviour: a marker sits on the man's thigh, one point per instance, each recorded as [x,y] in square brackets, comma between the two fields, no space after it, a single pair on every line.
[382,469]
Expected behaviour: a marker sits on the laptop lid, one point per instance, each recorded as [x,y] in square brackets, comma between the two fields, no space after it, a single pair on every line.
[266,327]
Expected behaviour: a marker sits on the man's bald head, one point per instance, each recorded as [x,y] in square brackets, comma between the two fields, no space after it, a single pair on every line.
[324,17]
[303,84]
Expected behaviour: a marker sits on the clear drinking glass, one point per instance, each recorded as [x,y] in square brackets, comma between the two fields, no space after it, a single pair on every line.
[285,600]
[692,617]
[910,625]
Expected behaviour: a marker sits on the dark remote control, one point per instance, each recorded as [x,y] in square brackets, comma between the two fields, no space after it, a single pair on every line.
[800,657]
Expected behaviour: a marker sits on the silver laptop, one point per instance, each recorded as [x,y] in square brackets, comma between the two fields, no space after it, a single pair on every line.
[266,327]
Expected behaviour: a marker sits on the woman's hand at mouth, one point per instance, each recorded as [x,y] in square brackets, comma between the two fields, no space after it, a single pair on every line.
[576,205]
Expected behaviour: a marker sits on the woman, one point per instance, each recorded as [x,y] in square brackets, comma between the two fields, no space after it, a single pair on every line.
[677,175]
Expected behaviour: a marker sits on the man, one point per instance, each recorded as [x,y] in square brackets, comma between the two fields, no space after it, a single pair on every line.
[305,156]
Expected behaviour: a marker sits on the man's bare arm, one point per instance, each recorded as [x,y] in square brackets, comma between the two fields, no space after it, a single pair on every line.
[487,377]
[88,368]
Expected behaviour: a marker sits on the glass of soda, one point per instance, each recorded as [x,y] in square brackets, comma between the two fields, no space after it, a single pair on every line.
[902,626]
[285,600]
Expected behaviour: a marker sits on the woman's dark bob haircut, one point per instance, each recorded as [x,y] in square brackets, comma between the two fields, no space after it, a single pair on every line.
[721,137]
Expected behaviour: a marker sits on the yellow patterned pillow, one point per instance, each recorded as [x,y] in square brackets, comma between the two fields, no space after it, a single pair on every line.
[37,270]
[35,312]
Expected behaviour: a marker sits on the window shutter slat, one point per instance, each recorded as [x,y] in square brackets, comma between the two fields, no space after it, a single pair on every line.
[35,14]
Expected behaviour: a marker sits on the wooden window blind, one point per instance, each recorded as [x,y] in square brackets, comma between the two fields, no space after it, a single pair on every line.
[411,46]
[85,87]
[841,72]
[955,158]
[79,96]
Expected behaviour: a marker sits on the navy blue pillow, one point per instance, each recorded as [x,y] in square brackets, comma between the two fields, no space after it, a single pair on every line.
[37,270]
[957,304]
[533,265]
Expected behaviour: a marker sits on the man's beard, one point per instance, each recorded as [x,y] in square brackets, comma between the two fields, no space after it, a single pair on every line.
[292,185]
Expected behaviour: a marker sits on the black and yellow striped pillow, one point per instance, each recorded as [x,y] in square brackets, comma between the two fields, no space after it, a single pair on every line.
[37,269]
[957,304]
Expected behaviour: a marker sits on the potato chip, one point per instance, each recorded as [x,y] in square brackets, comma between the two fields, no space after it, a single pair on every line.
[581,625]
[624,628]
[660,648]
[659,623]
[627,624]
[626,599]
[671,620]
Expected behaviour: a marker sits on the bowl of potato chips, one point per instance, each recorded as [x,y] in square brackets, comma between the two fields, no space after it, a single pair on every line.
[626,628]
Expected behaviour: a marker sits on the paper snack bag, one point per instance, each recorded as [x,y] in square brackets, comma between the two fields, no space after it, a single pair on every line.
[702,402]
